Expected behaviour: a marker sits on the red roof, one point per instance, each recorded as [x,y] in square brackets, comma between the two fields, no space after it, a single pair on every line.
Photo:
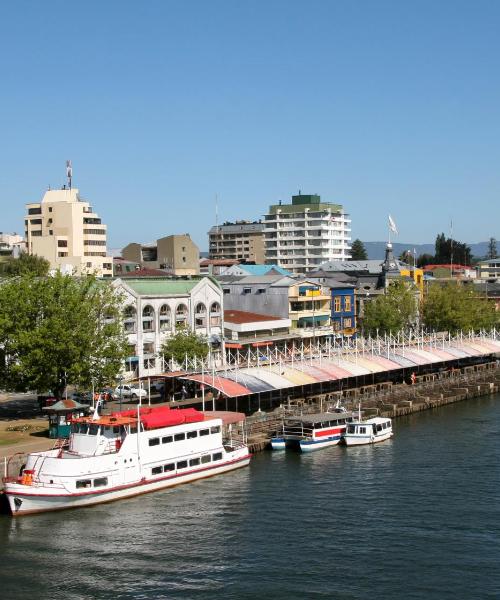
[455,267]
[242,316]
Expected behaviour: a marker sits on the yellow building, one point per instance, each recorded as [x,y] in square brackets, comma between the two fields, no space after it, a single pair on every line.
[65,230]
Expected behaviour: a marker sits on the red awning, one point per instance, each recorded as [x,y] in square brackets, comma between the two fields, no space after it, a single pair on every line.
[226,386]
[233,345]
[257,344]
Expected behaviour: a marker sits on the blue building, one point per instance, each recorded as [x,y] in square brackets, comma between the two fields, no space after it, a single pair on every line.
[343,317]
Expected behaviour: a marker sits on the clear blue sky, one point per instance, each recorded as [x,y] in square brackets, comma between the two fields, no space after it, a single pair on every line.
[385,107]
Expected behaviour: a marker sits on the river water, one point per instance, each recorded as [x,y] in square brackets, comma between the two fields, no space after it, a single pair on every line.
[414,517]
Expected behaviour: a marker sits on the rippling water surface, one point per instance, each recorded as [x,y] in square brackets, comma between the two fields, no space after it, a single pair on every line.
[415,517]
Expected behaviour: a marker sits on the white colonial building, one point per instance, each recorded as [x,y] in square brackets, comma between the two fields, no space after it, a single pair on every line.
[155,308]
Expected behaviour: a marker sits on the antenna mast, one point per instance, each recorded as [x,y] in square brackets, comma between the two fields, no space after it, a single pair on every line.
[69,172]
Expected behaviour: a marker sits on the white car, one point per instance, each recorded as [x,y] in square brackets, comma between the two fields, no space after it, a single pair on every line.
[129,391]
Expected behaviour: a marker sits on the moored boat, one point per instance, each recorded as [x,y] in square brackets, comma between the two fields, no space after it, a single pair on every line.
[312,431]
[121,455]
[370,431]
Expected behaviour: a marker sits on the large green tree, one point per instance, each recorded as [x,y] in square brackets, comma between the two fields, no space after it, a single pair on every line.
[58,330]
[454,307]
[449,251]
[26,264]
[358,251]
[396,310]
[185,343]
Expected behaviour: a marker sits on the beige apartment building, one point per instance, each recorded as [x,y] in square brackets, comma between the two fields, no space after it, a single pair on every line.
[66,231]
[175,254]
[241,241]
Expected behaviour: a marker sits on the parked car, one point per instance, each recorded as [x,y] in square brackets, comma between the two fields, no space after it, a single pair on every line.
[129,391]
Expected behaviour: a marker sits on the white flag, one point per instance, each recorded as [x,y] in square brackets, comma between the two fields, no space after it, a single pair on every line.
[392,225]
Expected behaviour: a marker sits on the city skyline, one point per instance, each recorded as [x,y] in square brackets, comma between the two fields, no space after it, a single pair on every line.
[385,109]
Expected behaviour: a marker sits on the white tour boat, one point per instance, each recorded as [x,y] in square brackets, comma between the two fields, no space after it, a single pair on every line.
[370,431]
[312,431]
[121,455]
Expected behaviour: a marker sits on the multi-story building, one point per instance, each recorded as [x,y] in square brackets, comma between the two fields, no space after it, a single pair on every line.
[176,254]
[64,229]
[155,308]
[11,244]
[241,240]
[302,235]
[489,269]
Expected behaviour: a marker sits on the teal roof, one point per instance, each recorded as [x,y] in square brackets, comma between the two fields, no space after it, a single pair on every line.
[260,270]
[160,287]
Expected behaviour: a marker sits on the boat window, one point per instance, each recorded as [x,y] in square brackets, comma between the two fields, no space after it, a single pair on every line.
[351,429]
[93,429]
[83,428]
[194,461]
[102,481]
[156,470]
[379,428]
[191,434]
[217,456]
[133,429]
[83,483]
[169,467]
[204,432]
[116,429]
[179,436]
[154,441]
[182,464]
[362,430]
[215,429]
[167,439]
[206,459]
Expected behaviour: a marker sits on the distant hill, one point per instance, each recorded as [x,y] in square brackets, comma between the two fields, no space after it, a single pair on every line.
[376,250]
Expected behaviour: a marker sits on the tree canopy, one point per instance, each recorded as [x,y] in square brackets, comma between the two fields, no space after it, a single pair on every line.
[455,308]
[492,249]
[450,251]
[358,250]
[26,264]
[58,330]
[185,343]
[396,310]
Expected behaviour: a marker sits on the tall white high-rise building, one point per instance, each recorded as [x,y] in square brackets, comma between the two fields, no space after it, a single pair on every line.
[302,235]
[66,231]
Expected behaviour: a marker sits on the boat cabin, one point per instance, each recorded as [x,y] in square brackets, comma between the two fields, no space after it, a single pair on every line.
[308,426]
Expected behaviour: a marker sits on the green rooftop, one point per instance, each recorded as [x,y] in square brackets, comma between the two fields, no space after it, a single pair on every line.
[149,286]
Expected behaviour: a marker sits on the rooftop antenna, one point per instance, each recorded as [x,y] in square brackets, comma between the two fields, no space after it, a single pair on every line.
[217,213]
[69,172]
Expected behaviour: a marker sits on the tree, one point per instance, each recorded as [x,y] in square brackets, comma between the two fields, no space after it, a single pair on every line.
[185,343]
[59,330]
[492,249]
[455,308]
[358,251]
[26,264]
[449,251]
[425,259]
[396,310]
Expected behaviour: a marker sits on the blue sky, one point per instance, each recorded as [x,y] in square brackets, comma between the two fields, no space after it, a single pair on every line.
[385,107]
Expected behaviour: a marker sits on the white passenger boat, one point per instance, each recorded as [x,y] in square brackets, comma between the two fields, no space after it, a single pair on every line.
[370,431]
[312,431]
[121,455]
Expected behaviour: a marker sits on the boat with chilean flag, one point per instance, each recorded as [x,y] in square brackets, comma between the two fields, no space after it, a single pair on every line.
[125,454]
[310,432]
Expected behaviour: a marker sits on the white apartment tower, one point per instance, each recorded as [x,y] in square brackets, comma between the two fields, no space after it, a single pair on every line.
[66,231]
[302,235]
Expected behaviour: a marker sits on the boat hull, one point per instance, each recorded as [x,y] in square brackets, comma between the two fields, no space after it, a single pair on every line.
[362,440]
[278,443]
[25,500]
[319,444]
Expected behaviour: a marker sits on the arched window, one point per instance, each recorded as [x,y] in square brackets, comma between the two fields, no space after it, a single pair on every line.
[148,318]
[181,316]
[129,319]
[200,315]
[165,318]
[215,315]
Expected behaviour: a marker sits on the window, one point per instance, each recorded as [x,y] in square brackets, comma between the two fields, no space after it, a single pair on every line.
[148,314]
[61,254]
[261,291]
[362,430]
[206,459]
[336,304]
[217,456]
[215,429]
[35,211]
[148,348]
[247,290]
[215,314]
[204,432]
[36,233]
[94,242]
[36,221]
[94,231]
[165,318]
[226,290]
[50,208]
[83,483]
[62,243]
[348,323]
[200,315]
[101,482]
[179,436]
[194,462]
[347,303]
[156,470]
[167,439]
[182,464]
[51,232]
[169,467]
[191,435]
[154,441]
[149,363]
[181,315]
